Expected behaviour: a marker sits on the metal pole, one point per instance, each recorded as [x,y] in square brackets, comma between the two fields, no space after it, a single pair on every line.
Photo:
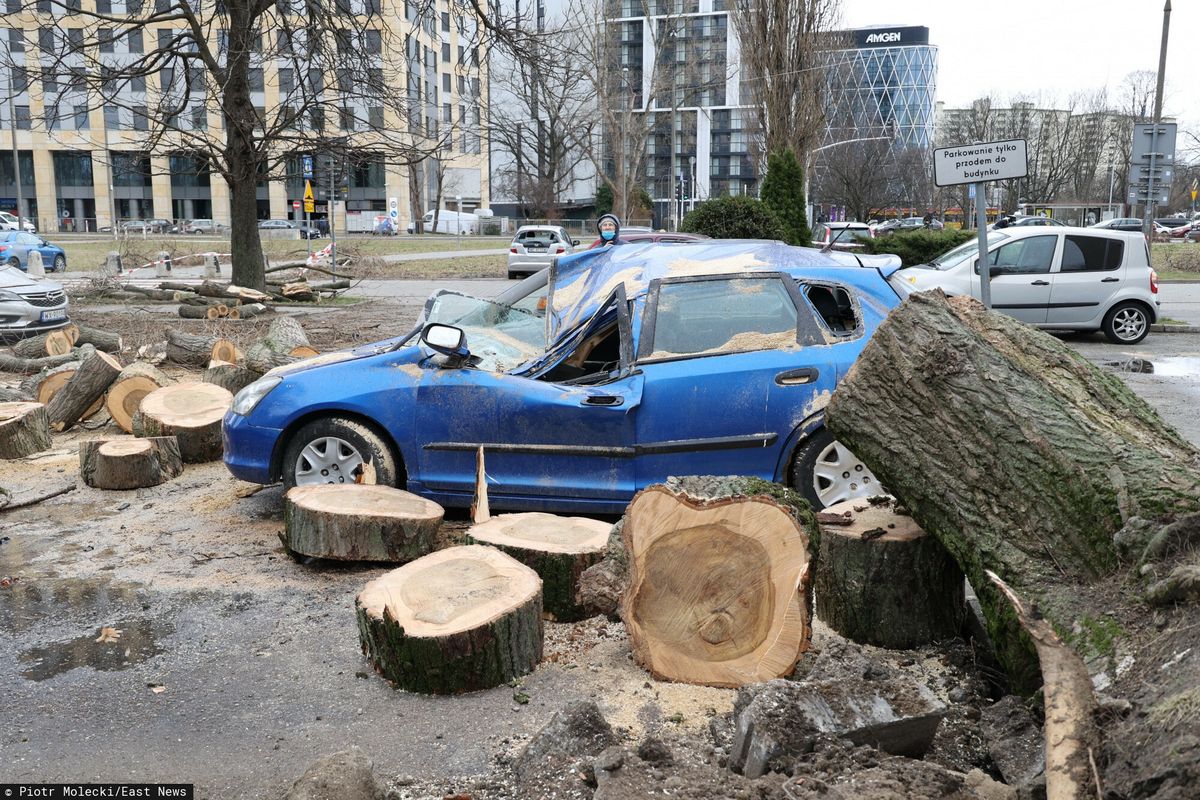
[112,199]
[332,226]
[1111,177]
[12,115]
[1148,211]
[985,275]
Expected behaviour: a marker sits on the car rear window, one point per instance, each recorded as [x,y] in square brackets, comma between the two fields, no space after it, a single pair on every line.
[710,317]
[1091,254]
[834,307]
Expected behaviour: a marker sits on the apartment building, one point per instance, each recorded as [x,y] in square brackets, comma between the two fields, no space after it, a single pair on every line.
[84,163]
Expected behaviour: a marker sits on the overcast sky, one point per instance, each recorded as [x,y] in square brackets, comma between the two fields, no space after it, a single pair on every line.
[1055,47]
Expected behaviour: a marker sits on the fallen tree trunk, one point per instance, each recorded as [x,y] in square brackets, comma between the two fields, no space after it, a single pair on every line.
[883,581]
[14,395]
[458,620]
[129,463]
[225,350]
[359,522]
[49,382]
[25,366]
[54,343]
[192,412]
[557,548]
[89,383]
[169,295]
[719,580]
[125,395]
[108,341]
[188,349]
[248,310]
[283,336]
[198,312]
[24,429]
[229,376]
[1029,461]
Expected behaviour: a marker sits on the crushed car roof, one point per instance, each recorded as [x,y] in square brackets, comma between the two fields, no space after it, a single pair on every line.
[580,283]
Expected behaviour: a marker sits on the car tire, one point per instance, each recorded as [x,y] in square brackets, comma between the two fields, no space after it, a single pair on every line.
[14,262]
[825,472]
[512,276]
[1126,323]
[332,450]
[60,264]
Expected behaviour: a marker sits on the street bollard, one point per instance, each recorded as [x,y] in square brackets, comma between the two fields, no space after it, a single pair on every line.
[112,265]
[162,265]
[33,265]
[212,266]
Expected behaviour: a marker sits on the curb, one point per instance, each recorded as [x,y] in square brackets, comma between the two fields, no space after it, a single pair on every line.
[1175,328]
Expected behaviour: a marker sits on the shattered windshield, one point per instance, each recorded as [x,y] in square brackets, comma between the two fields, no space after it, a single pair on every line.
[501,337]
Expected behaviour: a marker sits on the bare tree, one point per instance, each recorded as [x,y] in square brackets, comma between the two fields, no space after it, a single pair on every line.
[782,47]
[859,176]
[335,66]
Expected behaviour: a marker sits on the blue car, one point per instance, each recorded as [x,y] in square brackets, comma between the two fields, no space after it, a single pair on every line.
[15,247]
[639,362]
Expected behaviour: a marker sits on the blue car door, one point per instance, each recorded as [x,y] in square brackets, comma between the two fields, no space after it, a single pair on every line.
[730,370]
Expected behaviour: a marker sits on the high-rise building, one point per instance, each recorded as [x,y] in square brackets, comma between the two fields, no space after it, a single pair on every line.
[82,163]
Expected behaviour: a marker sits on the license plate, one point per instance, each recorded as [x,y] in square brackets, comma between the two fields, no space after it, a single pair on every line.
[50,316]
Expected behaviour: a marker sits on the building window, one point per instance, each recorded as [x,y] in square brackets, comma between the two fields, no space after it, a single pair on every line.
[316,119]
[286,81]
[23,118]
[446,52]
[137,83]
[446,82]
[375,117]
[187,170]
[51,116]
[255,76]
[72,168]
[134,41]
[103,6]
[447,113]
[462,54]
[50,83]
[140,120]
[462,86]
[16,41]
[81,118]
[46,40]
[373,42]
[372,7]
[18,79]
[166,79]
[346,119]
[199,118]
[344,8]
[165,37]
[105,37]
[112,118]
[130,169]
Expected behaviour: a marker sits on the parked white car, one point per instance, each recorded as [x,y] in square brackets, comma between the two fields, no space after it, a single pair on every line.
[451,222]
[8,222]
[535,247]
[1063,278]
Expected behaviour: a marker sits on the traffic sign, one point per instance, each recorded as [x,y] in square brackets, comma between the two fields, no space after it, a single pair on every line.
[975,163]
[308,166]
[1150,139]
[295,205]
[309,204]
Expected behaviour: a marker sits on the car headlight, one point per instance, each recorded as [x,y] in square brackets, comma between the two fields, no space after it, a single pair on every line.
[9,297]
[251,395]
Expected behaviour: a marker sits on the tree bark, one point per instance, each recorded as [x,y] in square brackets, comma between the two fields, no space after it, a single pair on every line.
[187,311]
[359,522]
[883,581]
[283,336]
[125,395]
[249,310]
[47,383]
[557,548]
[192,412]
[95,374]
[189,349]
[129,463]
[24,429]
[229,376]
[458,620]
[718,586]
[26,366]
[54,343]
[108,341]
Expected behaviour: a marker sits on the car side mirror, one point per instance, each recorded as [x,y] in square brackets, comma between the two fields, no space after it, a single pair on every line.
[994,271]
[445,339]
[574,243]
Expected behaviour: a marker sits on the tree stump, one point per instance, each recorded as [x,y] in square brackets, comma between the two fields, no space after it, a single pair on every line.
[192,412]
[189,349]
[718,587]
[229,376]
[125,395]
[24,429]
[558,549]
[50,382]
[359,522]
[95,374]
[460,619]
[883,581]
[129,463]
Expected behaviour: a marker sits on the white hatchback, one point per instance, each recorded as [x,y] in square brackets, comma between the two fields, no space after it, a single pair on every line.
[1062,278]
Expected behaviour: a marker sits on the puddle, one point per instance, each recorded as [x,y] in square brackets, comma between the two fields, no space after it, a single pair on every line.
[115,647]
[30,602]
[1171,367]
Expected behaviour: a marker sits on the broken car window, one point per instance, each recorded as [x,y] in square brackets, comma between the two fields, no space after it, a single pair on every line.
[723,316]
[501,337]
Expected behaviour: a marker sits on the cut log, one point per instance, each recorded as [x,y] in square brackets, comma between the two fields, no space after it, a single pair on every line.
[189,349]
[214,312]
[24,429]
[233,313]
[359,522]
[47,383]
[304,351]
[72,332]
[718,587]
[89,383]
[129,463]
[191,412]
[125,395]
[461,619]
[108,341]
[248,310]
[881,580]
[1029,461]
[298,291]
[558,549]
[274,350]
[229,376]
[159,294]
[8,395]
[54,343]
[26,366]
[187,311]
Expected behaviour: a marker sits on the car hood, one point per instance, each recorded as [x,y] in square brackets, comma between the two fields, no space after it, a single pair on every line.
[11,278]
[412,354]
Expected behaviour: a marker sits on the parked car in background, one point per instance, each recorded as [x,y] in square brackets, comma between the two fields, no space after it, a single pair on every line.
[29,307]
[1170,223]
[155,225]
[1062,278]
[640,237]
[841,235]
[647,365]
[8,222]
[204,226]
[15,249]
[1120,224]
[287,224]
[907,224]
[450,222]
[535,246]
[1193,235]
[1181,231]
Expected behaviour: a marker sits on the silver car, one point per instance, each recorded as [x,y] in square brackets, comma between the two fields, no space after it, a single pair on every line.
[535,246]
[29,307]
[1062,278]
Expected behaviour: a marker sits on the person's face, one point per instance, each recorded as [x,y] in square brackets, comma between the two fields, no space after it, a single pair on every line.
[608,230]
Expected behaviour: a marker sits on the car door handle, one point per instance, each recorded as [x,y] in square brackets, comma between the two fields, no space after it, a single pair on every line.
[1110,280]
[603,400]
[797,377]
[1040,283]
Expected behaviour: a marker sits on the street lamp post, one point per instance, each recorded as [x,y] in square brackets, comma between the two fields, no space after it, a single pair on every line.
[458,219]
[12,114]
[112,198]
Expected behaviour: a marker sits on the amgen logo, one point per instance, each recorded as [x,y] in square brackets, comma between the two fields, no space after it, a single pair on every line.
[882,38]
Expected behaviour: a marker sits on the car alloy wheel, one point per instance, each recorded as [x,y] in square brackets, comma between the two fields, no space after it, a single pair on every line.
[60,263]
[338,450]
[328,460]
[825,472]
[1128,323]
